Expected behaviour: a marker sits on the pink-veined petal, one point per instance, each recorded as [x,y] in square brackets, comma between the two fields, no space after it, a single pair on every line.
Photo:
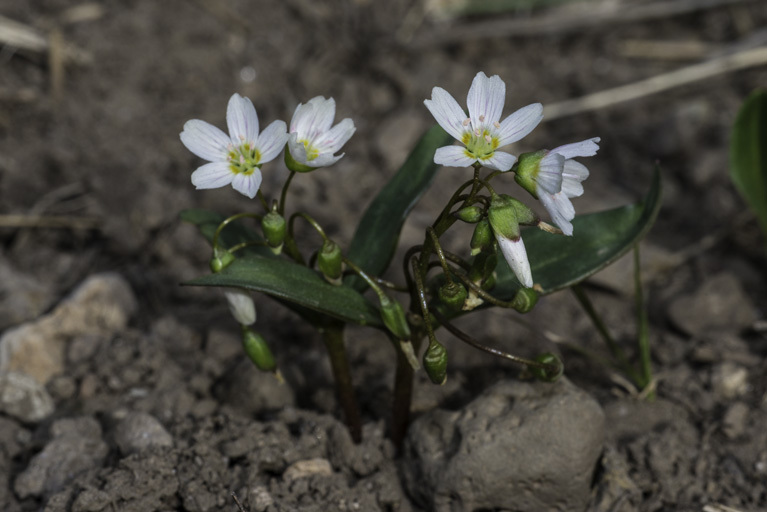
[549,177]
[485,100]
[520,123]
[212,175]
[560,210]
[453,156]
[247,184]
[325,160]
[516,256]
[572,176]
[448,114]
[334,139]
[588,147]
[272,140]
[241,305]
[313,118]
[242,120]
[500,161]
[205,140]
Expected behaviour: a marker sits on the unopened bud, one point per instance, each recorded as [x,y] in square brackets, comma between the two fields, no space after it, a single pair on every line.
[551,374]
[525,300]
[435,362]
[502,215]
[453,295]
[275,229]
[258,351]
[241,305]
[394,317]
[482,237]
[220,260]
[525,216]
[527,169]
[330,261]
[470,214]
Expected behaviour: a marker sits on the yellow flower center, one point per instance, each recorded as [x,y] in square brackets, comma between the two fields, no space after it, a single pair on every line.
[243,159]
[311,151]
[480,145]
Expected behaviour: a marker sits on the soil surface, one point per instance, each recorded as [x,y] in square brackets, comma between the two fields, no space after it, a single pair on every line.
[136,396]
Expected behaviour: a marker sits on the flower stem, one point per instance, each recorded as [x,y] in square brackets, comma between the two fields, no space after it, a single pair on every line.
[332,335]
[643,337]
[284,193]
[403,395]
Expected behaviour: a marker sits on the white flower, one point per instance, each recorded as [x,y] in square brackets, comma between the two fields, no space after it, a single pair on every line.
[559,178]
[236,158]
[312,142]
[241,305]
[516,256]
[481,133]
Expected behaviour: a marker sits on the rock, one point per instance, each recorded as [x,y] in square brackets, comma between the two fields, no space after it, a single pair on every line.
[718,304]
[76,447]
[24,398]
[729,380]
[140,431]
[24,297]
[259,499]
[614,488]
[735,419]
[307,468]
[364,458]
[252,391]
[524,446]
[101,305]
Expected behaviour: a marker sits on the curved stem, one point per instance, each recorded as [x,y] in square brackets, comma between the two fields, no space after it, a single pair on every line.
[440,254]
[264,203]
[246,244]
[284,193]
[230,219]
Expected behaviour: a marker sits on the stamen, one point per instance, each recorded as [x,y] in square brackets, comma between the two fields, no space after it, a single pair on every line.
[477,132]
[497,124]
[242,160]
[242,138]
[482,119]
[466,121]
[488,139]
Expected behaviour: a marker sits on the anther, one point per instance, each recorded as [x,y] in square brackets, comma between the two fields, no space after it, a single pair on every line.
[477,132]
[488,139]
[466,121]
[481,119]
[497,124]
[242,138]
[242,159]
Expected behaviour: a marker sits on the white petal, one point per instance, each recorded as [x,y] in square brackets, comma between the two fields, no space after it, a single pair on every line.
[520,123]
[314,118]
[549,177]
[572,176]
[561,211]
[587,147]
[272,140]
[247,184]
[516,256]
[324,160]
[453,156]
[447,112]
[499,161]
[334,139]
[485,100]
[241,306]
[205,140]
[297,149]
[212,175]
[242,120]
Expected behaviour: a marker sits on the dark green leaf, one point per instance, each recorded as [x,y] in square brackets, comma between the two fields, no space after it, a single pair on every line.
[295,284]
[559,261]
[375,240]
[748,154]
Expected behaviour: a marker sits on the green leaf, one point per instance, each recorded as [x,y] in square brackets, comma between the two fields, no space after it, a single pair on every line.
[375,240]
[295,284]
[559,261]
[748,154]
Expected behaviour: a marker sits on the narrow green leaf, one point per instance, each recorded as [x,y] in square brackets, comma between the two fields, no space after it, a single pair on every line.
[559,261]
[295,284]
[375,240]
[748,154]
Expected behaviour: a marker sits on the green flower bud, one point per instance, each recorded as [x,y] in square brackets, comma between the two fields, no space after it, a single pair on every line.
[295,166]
[275,228]
[527,168]
[394,317]
[525,216]
[220,260]
[482,237]
[330,261]
[483,267]
[470,214]
[453,295]
[548,375]
[525,300]
[435,363]
[258,351]
[502,215]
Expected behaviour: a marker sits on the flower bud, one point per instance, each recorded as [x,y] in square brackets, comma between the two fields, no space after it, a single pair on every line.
[394,317]
[502,215]
[258,351]
[453,295]
[482,237]
[220,260]
[527,168]
[548,375]
[525,300]
[435,362]
[470,214]
[275,229]
[330,261]
[525,216]
[241,305]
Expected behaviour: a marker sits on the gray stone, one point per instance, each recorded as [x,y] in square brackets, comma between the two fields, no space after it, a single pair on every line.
[735,419]
[720,303]
[24,398]
[307,468]
[24,297]
[252,391]
[101,305]
[76,447]
[140,431]
[521,446]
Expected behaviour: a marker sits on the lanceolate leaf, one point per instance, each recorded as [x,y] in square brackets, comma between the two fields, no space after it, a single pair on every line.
[599,239]
[375,240]
[748,154]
